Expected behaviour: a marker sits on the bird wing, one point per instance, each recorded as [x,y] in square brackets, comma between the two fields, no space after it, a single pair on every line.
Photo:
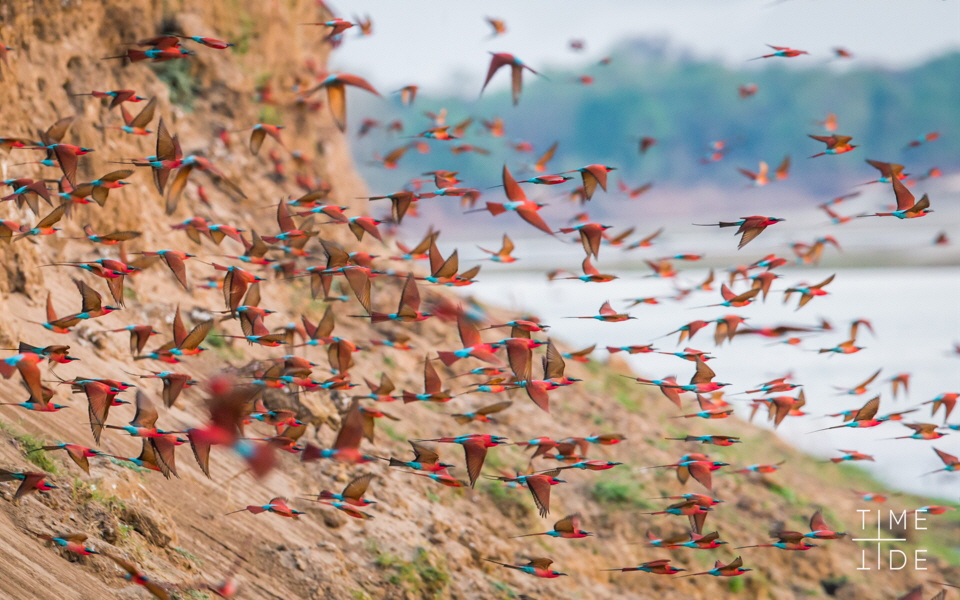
[540,563]
[475,452]
[147,414]
[53,217]
[701,472]
[358,487]
[410,296]
[176,188]
[496,62]
[539,486]
[868,411]
[422,454]
[948,459]
[90,300]
[336,98]
[351,428]
[704,373]
[68,163]
[360,284]
[431,380]
[817,523]
[528,213]
[553,363]
[494,408]
[196,336]
[164,454]
[749,235]
[510,186]
[590,182]
[145,116]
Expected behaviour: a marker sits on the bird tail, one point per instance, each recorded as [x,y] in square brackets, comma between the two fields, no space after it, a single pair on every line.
[495,208]
[397,463]
[448,358]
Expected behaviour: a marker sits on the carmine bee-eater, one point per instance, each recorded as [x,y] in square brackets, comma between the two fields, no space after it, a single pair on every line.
[482,415]
[592,176]
[850,455]
[538,567]
[117,97]
[502,59]
[475,448]
[346,446]
[352,494]
[782,52]
[335,84]
[750,227]
[907,205]
[701,382]
[134,575]
[786,540]
[473,345]
[836,144]
[951,462]
[687,508]
[657,567]
[539,485]
[71,542]
[518,203]
[819,529]
[78,454]
[591,274]
[277,506]
[696,466]
[921,431]
[567,528]
[807,292]
[424,459]
[864,417]
[432,387]
[29,482]
[946,401]
[607,315]
[443,478]
[715,440]
[731,569]
[138,125]
[504,254]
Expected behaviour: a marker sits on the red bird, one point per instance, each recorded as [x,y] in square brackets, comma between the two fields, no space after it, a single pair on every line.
[517,66]
[782,51]
[750,227]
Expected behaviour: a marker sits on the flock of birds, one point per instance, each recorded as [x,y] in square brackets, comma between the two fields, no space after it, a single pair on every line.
[233,403]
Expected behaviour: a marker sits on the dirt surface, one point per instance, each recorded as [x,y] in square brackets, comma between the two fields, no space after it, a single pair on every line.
[426,541]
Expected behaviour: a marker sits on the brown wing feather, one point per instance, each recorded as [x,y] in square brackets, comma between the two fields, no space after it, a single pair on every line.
[197,335]
[147,414]
[475,452]
[336,98]
[539,488]
[869,410]
[145,116]
[410,296]
[358,487]
[256,140]
[701,473]
[351,428]
[431,380]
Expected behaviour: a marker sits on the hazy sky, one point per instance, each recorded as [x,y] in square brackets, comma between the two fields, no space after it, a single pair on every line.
[425,41]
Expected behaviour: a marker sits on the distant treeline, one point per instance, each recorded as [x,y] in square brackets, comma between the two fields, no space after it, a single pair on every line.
[686,104]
